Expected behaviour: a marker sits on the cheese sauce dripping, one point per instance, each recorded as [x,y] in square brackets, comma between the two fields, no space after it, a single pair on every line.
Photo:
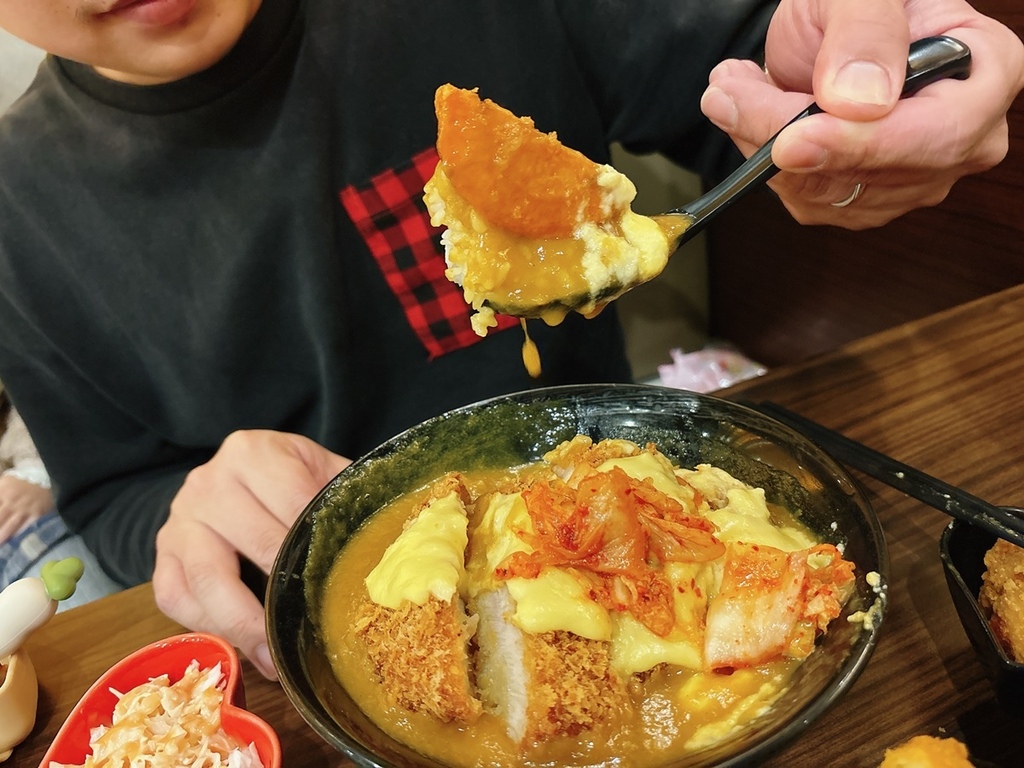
[531,355]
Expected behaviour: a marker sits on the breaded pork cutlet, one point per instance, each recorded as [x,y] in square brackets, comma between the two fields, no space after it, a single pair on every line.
[544,685]
[419,653]
[419,649]
[926,751]
[1002,596]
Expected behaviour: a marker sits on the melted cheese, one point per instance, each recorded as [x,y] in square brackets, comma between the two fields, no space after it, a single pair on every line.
[426,559]
[746,518]
[653,467]
[494,539]
[554,600]
[542,277]
[531,355]
[740,512]
[636,649]
[736,699]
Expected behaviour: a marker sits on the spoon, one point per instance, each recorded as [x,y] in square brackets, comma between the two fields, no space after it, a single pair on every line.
[930,59]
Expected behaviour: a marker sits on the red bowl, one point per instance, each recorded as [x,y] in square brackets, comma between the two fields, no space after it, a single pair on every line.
[171,657]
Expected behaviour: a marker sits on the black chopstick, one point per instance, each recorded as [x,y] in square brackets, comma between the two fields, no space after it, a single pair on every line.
[956,502]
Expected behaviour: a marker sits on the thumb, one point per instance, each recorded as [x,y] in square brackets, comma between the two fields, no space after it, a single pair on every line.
[862,63]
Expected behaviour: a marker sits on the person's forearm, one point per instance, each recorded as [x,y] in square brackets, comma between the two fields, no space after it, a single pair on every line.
[647,64]
[122,532]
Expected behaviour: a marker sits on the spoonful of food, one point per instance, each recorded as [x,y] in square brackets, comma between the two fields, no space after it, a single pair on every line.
[535,229]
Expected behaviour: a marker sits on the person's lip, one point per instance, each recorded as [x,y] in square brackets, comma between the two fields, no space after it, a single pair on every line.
[150,12]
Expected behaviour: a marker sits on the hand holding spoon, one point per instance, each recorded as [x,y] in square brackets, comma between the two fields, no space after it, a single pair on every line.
[929,60]
[538,230]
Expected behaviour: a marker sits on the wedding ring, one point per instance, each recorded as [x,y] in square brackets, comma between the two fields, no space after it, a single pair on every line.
[852,196]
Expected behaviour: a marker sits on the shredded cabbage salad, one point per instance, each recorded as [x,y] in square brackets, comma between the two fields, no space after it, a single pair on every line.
[160,724]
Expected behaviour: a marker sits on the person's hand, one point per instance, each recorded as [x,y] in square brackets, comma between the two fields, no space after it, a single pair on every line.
[239,504]
[21,502]
[850,57]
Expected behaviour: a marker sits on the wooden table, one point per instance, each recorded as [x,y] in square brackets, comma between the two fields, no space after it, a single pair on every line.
[942,394]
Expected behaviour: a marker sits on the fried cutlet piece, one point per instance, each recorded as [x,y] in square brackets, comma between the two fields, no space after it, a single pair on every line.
[927,752]
[514,176]
[1002,596]
[447,484]
[545,685]
[533,228]
[420,655]
[580,456]
[574,688]
[413,622]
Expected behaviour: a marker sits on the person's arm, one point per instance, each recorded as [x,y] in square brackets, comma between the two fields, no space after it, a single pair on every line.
[113,477]
[872,157]
[24,483]
[120,520]
[192,515]
[647,64]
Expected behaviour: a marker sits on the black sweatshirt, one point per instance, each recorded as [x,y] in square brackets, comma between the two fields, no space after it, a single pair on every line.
[248,247]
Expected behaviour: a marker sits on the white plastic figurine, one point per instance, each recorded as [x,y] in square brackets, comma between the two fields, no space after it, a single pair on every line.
[25,606]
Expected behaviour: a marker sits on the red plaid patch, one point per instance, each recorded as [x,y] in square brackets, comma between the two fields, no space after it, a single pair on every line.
[390,214]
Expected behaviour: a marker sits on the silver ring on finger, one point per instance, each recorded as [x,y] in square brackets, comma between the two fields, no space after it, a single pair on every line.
[857,189]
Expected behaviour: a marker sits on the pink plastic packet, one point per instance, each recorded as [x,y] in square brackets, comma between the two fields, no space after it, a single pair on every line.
[708,369]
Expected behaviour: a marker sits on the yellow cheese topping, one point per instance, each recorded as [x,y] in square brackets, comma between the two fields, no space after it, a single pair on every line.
[735,699]
[494,539]
[746,518]
[654,468]
[742,513]
[635,648]
[556,600]
[426,559]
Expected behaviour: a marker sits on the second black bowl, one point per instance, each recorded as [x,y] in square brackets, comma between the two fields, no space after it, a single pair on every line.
[962,548]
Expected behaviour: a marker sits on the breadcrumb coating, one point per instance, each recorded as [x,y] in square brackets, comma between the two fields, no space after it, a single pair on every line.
[420,655]
[447,484]
[572,688]
[1002,596]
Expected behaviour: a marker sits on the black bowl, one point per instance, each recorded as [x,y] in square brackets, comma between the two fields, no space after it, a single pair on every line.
[962,548]
[689,428]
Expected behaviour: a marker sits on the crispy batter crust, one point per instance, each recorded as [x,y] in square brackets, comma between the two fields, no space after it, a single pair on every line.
[1002,596]
[582,451]
[927,752]
[572,688]
[419,654]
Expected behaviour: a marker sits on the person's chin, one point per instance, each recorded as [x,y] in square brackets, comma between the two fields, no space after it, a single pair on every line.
[168,40]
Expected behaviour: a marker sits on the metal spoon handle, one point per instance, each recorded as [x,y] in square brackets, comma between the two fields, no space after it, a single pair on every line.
[929,60]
